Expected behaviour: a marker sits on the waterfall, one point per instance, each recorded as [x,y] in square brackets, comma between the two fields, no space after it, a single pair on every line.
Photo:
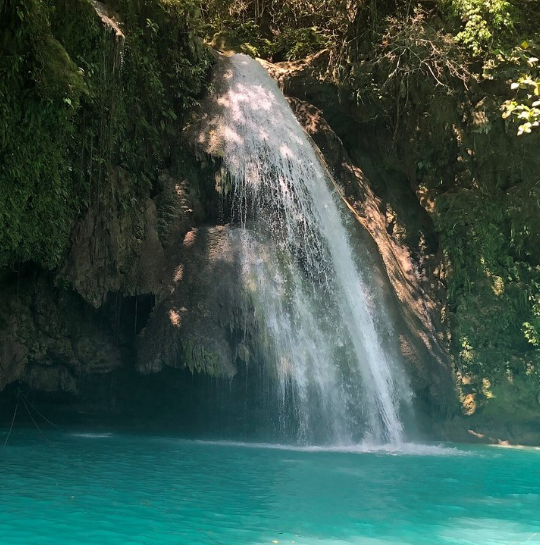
[324,333]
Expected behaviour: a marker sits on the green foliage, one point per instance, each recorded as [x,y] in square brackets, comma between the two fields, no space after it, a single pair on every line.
[484,22]
[245,38]
[524,107]
[40,89]
[285,30]
[77,100]
[409,51]
[297,43]
[532,333]
[487,29]
[493,286]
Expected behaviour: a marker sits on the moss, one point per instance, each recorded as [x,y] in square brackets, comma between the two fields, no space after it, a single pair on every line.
[77,101]
[58,77]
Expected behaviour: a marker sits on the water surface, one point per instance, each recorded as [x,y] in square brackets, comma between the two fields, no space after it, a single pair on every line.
[77,488]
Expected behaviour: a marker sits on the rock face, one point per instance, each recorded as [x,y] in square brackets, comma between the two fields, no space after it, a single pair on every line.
[50,337]
[150,287]
[84,320]
[449,185]
[421,341]
[198,324]
[153,286]
[126,252]
[394,269]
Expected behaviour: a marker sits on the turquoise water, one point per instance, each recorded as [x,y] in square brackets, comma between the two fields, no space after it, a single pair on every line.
[134,489]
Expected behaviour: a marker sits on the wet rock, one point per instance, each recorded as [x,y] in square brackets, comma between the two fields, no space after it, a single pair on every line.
[196,324]
[413,307]
[51,338]
[49,379]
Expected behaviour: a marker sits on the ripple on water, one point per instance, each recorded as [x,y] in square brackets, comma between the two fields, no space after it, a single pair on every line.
[413,449]
[132,489]
[92,435]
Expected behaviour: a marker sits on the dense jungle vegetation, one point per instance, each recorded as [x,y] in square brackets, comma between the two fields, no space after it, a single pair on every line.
[451,86]
[77,98]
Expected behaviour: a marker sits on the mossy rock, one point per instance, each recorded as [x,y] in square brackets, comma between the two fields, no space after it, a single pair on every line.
[59,78]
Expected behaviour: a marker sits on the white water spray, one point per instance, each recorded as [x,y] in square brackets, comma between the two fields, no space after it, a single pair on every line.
[320,322]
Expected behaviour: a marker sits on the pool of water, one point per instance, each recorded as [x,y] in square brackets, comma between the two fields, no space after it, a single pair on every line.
[76,488]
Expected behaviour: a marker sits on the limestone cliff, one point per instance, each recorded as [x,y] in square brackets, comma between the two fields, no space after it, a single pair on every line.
[119,279]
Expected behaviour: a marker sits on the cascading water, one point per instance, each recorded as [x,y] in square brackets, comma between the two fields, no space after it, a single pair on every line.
[323,335]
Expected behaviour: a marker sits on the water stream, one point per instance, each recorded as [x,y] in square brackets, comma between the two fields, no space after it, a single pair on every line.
[324,332]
